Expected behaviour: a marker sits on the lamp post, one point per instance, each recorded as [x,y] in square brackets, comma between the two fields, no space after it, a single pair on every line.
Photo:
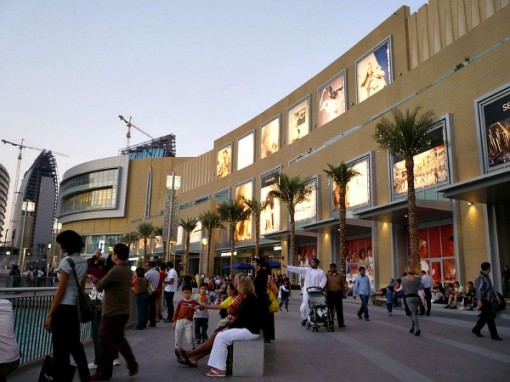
[205,259]
[56,230]
[5,250]
[173,183]
[27,206]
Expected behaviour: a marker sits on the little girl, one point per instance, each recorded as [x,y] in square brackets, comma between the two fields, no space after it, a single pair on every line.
[284,295]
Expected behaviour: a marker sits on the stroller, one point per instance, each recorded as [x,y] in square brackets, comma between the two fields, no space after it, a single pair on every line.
[320,315]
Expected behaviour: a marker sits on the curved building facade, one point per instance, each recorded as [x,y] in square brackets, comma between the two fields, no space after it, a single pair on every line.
[450,57]
[4,194]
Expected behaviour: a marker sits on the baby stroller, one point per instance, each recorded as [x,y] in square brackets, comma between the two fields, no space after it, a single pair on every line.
[320,315]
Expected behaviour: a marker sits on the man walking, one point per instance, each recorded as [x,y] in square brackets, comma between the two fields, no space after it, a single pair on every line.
[486,295]
[314,277]
[115,314]
[171,281]
[152,276]
[362,289]
[426,280]
[335,294]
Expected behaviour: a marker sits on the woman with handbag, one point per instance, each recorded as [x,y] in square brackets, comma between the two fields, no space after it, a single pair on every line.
[62,319]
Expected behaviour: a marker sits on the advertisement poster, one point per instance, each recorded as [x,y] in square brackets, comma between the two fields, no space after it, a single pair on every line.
[196,235]
[298,120]
[245,151]
[496,131]
[224,161]
[373,71]
[270,137]
[331,98]
[437,253]
[244,192]
[270,216]
[358,188]
[305,254]
[308,208]
[359,254]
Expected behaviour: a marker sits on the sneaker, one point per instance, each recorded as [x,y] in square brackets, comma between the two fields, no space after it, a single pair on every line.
[92,365]
[116,362]
[359,316]
[367,319]
[303,323]
[389,313]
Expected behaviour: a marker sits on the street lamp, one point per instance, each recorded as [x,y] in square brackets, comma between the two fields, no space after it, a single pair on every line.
[5,251]
[56,230]
[173,183]
[204,262]
[27,207]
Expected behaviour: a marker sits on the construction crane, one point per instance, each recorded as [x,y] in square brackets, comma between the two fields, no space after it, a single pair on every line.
[21,146]
[129,126]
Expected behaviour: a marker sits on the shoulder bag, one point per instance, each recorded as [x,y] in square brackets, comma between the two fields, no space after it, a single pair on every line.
[86,308]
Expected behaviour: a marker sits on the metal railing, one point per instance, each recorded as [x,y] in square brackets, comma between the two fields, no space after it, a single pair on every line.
[30,307]
[7,281]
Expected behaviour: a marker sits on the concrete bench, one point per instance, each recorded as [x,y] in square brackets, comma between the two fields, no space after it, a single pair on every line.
[246,358]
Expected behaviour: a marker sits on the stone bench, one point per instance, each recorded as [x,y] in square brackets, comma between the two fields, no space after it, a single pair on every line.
[246,358]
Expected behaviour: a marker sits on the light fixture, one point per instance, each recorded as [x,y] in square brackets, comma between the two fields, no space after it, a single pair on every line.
[470,203]
[278,248]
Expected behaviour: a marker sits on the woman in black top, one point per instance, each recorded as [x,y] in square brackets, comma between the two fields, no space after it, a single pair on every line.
[260,281]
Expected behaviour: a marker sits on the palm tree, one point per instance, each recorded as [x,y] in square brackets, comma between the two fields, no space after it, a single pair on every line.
[341,175]
[188,225]
[145,231]
[291,191]
[407,135]
[129,238]
[255,207]
[210,221]
[232,213]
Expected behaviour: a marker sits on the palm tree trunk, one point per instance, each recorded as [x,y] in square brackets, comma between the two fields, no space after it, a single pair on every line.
[209,238]
[343,232]
[257,240]
[293,255]
[411,214]
[232,231]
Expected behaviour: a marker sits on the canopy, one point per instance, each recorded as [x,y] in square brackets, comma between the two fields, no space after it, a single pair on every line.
[239,266]
[274,264]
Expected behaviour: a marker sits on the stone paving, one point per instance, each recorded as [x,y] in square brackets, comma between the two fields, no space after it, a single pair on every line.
[381,349]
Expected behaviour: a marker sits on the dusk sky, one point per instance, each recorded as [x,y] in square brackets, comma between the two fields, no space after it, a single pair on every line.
[197,69]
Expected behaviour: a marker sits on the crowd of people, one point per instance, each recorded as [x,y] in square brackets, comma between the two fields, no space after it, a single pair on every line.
[246,304]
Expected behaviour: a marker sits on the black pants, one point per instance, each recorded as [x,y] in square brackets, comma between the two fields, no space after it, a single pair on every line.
[151,307]
[65,329]
[111,338]
[335,303]
[169,298]
[428,300]
[486,317]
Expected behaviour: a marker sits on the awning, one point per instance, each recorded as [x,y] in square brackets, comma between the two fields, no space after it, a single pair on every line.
[283,235]
[491,188]
[354,226]
[396,212]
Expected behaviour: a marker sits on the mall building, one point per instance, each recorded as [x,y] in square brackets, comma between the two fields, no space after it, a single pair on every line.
[450,57]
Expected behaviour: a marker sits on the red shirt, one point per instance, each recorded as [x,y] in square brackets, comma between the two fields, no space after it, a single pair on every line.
[185,309]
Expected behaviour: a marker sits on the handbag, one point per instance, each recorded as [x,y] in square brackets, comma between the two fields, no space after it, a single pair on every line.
[47,373]
[86,308]
[273,302]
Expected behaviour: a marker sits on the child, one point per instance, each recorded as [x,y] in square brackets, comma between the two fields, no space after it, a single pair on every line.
[390,296]
[284,295]
[201,318]
[183,318]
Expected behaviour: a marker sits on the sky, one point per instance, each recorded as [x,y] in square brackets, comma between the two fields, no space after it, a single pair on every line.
[197,69]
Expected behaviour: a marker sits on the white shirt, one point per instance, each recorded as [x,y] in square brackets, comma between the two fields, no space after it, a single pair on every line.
[427,281]
[172,274]
[313,277]
[80,265]
[8,347]
[153,276]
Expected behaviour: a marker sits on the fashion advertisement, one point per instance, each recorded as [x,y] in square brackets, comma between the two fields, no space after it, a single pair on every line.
[298,120]
[245,151]
[308,208]
[270,137]
[305,254]
[373,71]
[224,161]
[331,98]
[270,215]
[496,131]
[358,188]
[430,166]
[359,254]
[244,192]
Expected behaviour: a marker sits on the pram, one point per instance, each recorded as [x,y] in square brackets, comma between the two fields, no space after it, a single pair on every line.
[320,315]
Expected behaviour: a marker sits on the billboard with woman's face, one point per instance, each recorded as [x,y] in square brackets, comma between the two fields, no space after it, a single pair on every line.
[331,96]
[244,192]
[224,161]
[245,151]
[307,209]
[298,120]
[373,71]
[270,137]
[270,215]
[358,188]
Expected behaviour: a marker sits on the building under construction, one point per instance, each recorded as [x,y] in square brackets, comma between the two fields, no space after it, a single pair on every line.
[155,148]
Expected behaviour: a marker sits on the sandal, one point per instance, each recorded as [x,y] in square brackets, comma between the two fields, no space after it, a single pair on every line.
[182,358]
[216,373]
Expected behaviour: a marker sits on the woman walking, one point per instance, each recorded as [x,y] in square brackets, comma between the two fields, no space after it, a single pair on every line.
[62,319]
[411,284]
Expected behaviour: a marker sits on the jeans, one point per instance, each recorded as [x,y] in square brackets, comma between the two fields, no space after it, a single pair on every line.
[335,303]
[141,311]
[151,305]
[169,298]
[364,305]
[201,325]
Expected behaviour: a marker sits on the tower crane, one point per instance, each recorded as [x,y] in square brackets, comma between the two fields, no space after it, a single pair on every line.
[129,126]
[20,157]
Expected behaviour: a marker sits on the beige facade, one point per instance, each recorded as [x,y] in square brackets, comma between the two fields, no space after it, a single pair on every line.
[443,58]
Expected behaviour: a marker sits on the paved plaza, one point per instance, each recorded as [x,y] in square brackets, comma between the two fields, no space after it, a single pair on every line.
[379,350]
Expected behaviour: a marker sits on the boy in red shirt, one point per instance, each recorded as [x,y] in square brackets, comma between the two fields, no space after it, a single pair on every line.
[183,318]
